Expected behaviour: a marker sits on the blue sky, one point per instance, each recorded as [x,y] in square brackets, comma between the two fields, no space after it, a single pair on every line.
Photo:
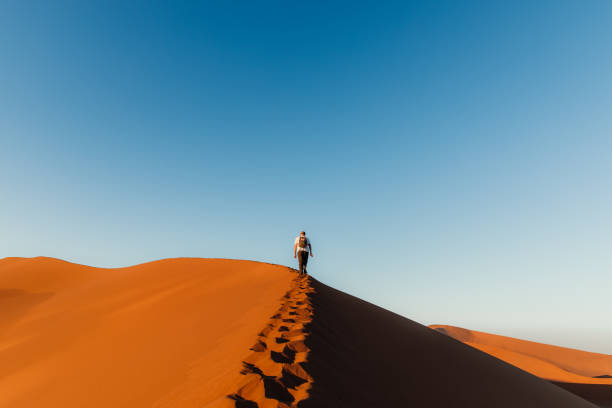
[450,160]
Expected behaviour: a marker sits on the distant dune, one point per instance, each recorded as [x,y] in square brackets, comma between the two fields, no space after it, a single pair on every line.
[585,373]
[213,333]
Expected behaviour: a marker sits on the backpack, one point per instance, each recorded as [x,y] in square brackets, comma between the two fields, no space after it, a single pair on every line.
[302,242]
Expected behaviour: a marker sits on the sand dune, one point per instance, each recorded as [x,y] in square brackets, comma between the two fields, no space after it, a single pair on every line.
[219,333]
[557,364]
[364,356]
[579,363]
[170,333]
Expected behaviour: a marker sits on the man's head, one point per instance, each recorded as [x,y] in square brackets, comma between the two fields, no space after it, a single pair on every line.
[302,233]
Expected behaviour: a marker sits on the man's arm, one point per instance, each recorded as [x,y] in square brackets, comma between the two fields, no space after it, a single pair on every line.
[310,246]
[295,250]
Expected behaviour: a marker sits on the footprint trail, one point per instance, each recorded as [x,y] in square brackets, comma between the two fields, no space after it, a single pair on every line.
[274,372]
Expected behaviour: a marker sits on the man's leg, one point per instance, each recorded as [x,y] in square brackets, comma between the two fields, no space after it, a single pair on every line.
[304,255]
[300,261]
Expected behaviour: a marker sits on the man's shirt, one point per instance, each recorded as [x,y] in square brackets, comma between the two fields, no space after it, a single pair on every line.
[297,242]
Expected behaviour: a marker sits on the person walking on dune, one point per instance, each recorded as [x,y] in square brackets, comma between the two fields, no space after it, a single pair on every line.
[301,249]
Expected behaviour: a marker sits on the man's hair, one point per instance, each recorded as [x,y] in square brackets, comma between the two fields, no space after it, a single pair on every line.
[302,233]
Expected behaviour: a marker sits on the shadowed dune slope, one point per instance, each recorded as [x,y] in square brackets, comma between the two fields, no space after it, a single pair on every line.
[598,394]
[364,356]
[170,333]
[581,372]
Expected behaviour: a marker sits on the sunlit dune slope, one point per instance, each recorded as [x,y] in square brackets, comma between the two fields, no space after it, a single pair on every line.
[361,355]
[546,361]
[170,333]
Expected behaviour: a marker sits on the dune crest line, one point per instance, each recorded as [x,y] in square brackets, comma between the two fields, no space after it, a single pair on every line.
[275,374]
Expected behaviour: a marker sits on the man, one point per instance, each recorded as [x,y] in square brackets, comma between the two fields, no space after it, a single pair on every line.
[301,249]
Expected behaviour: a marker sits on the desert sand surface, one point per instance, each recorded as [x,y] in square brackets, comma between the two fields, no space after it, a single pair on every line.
[214,333]
[582,372]
[170,333]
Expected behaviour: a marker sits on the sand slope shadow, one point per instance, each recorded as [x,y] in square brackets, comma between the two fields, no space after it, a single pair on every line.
[599,394]
[364,356]
[15,303]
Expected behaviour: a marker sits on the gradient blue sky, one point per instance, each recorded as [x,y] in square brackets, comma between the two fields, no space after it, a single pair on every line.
[451,161]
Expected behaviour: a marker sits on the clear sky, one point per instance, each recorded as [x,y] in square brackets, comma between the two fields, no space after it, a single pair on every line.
[451,161]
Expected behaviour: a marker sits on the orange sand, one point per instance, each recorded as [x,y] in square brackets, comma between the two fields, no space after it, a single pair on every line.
[170,333]
[275,374]
[212,333]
